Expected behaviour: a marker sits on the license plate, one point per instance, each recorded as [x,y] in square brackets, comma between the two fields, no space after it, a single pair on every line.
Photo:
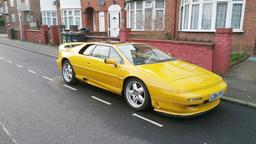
[216,96]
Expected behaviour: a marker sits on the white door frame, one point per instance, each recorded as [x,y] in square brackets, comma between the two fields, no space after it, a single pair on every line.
[114,8]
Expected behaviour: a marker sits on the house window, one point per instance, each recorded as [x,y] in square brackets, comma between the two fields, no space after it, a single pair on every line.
[29,18]
[13,18]
[207,15]
[71,17]
[49,18]
[7,18]
[11,3]
[146,15]
[236,15]
[221,15]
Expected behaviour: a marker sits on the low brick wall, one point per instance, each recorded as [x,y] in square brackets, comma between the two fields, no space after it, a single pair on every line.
[211,56]
[33,36]
[29,35]
[197,53]
[42,36]
[2,29]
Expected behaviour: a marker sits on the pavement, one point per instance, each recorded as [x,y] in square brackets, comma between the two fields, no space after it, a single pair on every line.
[36,107]
[241,81]
[37,48]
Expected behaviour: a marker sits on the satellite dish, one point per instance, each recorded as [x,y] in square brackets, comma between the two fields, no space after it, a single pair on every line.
[101,2]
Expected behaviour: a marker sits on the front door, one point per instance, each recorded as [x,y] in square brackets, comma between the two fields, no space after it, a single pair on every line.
[114,16]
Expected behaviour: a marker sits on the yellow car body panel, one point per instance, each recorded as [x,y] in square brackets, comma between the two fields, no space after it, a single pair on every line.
[171,84]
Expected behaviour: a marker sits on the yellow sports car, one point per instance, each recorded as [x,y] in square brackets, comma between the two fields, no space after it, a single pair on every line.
[145,76]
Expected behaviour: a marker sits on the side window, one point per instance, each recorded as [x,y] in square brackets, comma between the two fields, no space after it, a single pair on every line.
[101,52]
[87,50]
[115,55]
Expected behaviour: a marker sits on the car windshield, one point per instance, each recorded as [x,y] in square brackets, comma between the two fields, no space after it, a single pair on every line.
[139,54]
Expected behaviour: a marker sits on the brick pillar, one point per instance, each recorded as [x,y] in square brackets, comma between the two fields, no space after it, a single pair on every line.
[60,35]
[54,35]
[44,34]
[24,29]
[222,50]
[124,34]
[124,31]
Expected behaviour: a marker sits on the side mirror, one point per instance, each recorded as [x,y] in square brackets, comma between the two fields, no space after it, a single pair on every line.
[110,61]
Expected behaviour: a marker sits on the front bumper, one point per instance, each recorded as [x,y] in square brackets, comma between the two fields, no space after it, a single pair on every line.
[189,111]
[178,104]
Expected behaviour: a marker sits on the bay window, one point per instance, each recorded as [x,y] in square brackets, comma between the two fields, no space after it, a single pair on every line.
[146,15]
[71,17]
[207,15]
[49,18]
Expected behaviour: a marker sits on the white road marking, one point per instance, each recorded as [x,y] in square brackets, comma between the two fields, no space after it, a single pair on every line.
[148,120]
[1,58]
[9,61]
[8,133]
[20,66]
[33,72]
[45,77]
[103,101]
[74,89]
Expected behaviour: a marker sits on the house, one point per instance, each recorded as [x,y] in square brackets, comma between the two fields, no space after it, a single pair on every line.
[103,15]
[194,20]
[97,15]
[29,13]
[186,20]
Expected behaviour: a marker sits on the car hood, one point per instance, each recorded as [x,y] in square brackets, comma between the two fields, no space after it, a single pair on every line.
[182,76]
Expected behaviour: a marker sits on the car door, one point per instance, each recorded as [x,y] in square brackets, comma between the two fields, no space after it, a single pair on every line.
[82,60]
[102,74]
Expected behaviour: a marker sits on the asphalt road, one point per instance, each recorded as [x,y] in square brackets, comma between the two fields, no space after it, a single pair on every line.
[37,108]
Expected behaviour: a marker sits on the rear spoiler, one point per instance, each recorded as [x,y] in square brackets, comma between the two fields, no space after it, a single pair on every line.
[70,45]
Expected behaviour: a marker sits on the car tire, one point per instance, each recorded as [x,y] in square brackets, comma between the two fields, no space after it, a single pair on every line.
[68,73]
[136,95]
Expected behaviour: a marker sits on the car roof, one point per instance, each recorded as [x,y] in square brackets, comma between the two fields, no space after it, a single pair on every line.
[114,43]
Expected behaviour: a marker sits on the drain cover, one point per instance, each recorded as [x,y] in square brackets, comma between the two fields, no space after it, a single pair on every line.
[252,58]
[4,137]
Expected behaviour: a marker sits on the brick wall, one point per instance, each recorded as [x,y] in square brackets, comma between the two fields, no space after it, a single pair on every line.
[42,36]
[212,56]
[33,35]
[197,53]
[2,29]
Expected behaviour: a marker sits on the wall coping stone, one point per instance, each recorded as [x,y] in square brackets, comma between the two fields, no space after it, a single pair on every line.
[30,30]
[209,45]
[224,31]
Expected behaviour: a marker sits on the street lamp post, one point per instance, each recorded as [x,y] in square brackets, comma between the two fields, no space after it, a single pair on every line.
[19,13]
